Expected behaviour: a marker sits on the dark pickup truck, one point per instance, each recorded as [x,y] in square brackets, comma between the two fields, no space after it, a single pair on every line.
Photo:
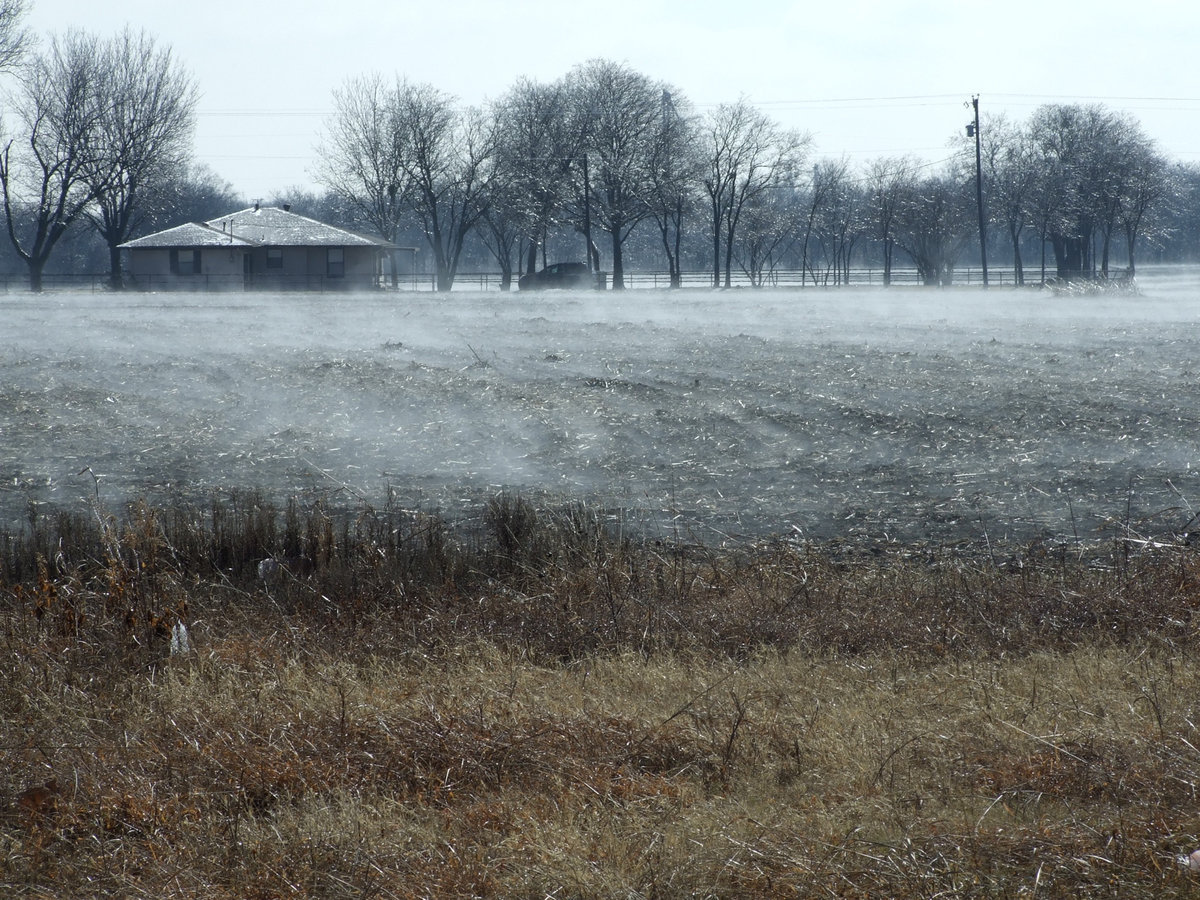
[563,275]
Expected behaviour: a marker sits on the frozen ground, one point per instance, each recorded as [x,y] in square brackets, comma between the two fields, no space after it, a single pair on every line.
[913,414]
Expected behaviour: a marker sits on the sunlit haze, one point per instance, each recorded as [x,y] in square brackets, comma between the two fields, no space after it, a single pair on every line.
[911,414]
[865,79]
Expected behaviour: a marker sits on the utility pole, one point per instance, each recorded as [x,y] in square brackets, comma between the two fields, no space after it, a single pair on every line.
[587,215]
[973,130]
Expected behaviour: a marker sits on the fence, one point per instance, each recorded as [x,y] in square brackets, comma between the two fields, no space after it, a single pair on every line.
[781,278]
[239,282]
[485,281]
[18,282]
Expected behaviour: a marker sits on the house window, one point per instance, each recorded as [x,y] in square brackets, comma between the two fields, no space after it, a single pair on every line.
[185,262]
[274,257]
[335,262]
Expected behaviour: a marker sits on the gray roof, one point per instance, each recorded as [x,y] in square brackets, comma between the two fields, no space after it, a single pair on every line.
[193,234]
[258,226]
[270,225]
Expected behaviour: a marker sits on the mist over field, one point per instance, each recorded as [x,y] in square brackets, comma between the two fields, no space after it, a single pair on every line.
[904,414]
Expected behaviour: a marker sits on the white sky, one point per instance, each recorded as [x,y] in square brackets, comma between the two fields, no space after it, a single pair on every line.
[866,79]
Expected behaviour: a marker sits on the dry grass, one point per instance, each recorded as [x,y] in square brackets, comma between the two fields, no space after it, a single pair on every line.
[545,710]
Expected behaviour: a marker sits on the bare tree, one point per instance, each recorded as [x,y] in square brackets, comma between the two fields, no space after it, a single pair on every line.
[144,130]
[843,225]
[768,227]
[502,228]
[933,225]
[1010,172]
[506,218]
[887,182]
[826,223]
[1113,167]
[395,150]
[746,153]
[1146,193]
[194,193]
[623,109]
[1070,139]
[447,156]
[360,155]
[14,39]
[1098,174]
[53,176]
[675,169]
[1133,180]
[541,135]
[1176,221]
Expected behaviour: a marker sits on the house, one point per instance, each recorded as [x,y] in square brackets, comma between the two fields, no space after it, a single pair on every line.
[259,248]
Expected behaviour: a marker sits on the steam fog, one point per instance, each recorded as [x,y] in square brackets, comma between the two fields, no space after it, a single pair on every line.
[905,414]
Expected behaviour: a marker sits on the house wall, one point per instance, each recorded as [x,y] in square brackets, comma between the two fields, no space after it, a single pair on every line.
[221,268]
[363,264]
[292,274]
[360,267]
[307,269]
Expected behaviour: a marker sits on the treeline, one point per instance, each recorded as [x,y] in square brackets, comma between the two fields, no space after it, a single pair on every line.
[102,134]
[606,153]
[605,164]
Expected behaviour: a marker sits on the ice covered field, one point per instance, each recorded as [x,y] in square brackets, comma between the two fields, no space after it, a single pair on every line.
[915,414]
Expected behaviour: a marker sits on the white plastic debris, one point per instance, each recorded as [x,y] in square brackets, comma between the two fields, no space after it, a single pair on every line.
[179,639]
[1190,861]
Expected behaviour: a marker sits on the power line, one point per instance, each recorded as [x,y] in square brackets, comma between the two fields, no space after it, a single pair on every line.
[1102,98]
[273,112]
[802,102]
[905,98]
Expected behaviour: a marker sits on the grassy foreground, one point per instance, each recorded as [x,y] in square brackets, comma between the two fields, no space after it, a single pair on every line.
[543,709]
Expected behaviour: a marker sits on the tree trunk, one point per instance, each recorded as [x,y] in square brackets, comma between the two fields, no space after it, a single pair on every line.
[1130,240]
[716,245]
[1069,256]
[1018,267]
[506,272]
[1104,255]
[805,265]
[445,277]
[672,265]
[677,267]
[35,275]
[618,273]
[114,267]
[728,255]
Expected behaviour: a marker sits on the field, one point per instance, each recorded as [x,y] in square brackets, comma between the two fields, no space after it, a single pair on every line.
[902,414]
[724,595]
